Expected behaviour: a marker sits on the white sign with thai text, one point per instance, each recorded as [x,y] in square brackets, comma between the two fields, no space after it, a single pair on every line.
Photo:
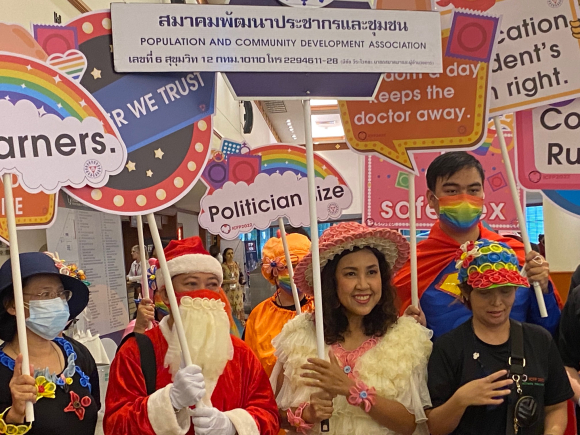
[161,37]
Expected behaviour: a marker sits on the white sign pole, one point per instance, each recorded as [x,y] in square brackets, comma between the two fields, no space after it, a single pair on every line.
[413,241]
[144,264]
[17,285]
[519,211]
[289,265]
[318,316]
[169,288]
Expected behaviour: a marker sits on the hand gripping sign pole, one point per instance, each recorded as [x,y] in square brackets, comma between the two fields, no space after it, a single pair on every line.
[17,285]
[144,286]
[289,265]
[519,211]
[314,238]
[413,241]
[169,288]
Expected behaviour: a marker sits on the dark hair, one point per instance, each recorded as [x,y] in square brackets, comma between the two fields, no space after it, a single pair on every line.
[466,289]
[214,251]
[376,323]
[8,321]
[296,230]
[226,250]
[448,164]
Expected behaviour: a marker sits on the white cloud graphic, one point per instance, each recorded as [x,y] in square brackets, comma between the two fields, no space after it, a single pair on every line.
[239,208]
[48,152]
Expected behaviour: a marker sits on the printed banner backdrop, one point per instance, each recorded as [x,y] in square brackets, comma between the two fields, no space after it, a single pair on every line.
[547,146]
[253,189]
[538,54]
[413,112]
[32,210]
[261,39]
[165,120]
[386,197]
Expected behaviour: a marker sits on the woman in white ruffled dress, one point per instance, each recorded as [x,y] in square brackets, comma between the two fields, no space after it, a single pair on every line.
[374,381]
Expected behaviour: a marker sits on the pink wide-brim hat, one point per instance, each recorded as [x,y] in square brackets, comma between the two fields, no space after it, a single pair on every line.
[347,236]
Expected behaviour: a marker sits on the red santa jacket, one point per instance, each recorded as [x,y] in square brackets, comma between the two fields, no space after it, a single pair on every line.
[243,392]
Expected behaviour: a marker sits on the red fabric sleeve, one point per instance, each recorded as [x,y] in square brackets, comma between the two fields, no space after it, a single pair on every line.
[126,400]
[257,395]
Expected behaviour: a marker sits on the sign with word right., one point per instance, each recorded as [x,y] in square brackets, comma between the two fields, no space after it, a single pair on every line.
[548,150]
[538,55]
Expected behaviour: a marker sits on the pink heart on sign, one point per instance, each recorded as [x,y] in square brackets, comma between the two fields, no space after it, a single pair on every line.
[73,63]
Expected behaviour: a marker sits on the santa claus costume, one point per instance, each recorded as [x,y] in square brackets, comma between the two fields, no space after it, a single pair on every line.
[224,369]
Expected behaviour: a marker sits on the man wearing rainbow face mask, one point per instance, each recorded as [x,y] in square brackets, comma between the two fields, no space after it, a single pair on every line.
[455,191]
[269,317]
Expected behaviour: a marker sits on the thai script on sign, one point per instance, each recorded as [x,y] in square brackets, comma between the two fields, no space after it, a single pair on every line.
[282,23]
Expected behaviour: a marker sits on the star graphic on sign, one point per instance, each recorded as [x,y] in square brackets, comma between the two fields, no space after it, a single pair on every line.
[159,153]
[57,79]
[130,166]
[7,98]
[41,111]
[82,103]
[277,172]
[149,173]
[286,161]
[289,150]
[96,73]
[28,67]
[23,85]
[299,177]
[323,166]
[59,106]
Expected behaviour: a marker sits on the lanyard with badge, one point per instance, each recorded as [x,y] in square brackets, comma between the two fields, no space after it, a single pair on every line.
[522,410]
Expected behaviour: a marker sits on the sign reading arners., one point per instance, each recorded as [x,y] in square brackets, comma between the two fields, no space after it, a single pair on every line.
[258,39]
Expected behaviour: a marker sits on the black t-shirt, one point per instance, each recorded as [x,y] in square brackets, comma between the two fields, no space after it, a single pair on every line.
[569,330]
[49,415]
[575,281]
[452,364]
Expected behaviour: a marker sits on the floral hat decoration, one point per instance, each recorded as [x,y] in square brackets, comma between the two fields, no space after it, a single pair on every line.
[71,269]
[273,258]
[347,236]
[487,264]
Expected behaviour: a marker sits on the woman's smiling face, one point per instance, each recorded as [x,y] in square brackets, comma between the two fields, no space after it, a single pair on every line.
[358,282]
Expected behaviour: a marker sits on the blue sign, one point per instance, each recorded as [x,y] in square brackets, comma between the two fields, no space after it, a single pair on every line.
[147,107]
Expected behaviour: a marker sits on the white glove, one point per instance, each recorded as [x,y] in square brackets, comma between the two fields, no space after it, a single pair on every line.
[211,421]
[188,387]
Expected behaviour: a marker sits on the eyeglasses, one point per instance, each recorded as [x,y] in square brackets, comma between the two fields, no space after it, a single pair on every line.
[65,295]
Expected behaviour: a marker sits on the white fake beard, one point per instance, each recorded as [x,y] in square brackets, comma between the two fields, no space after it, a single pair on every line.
[207,330]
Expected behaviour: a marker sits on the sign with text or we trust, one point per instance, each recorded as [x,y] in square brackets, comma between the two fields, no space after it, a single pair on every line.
[273,39]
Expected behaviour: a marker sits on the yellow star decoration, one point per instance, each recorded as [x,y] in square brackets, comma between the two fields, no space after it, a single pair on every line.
[159,153]
[450,284]
[150,173]
[96,73]
[130,166]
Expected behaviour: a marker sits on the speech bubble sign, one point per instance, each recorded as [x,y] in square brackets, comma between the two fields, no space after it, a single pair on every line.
[428,112]
[240,207]
[48,121]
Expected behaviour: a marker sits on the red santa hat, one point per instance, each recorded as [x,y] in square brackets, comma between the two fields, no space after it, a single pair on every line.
[188,256]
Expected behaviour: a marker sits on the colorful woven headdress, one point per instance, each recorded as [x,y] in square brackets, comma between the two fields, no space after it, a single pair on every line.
[486,264]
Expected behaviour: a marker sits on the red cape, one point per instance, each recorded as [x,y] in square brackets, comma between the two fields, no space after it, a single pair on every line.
[435,254]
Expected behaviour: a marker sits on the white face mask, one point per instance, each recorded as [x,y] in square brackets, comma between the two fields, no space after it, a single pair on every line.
[48,317]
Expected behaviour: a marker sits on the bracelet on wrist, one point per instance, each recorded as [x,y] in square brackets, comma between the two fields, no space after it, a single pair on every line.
[360,393]
[8,428]
[295,419]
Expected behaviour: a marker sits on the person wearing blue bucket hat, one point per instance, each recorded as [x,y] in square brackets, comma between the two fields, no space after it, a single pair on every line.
[64,386]
[492,374]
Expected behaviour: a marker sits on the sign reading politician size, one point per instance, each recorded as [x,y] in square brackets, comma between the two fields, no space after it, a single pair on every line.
[254,38]
[252,190]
